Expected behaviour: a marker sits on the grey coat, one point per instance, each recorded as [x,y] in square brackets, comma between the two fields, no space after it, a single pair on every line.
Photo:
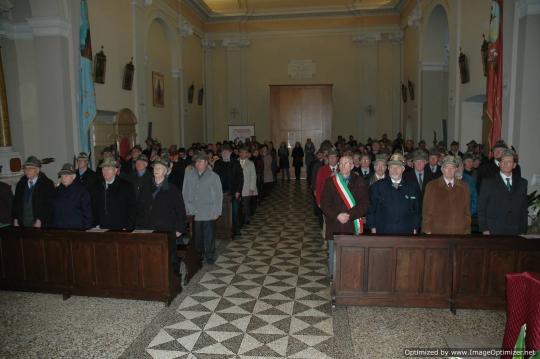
[203,195]
[250,179]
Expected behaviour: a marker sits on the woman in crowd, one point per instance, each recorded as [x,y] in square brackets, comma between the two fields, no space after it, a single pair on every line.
[283,154]
[298,159]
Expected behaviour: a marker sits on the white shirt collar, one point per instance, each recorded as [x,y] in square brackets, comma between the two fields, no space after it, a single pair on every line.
[379,178]
[504,177]
[333,168]
[395,182]
[452,181]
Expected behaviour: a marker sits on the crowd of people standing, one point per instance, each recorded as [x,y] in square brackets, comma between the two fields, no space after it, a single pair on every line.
[380,187]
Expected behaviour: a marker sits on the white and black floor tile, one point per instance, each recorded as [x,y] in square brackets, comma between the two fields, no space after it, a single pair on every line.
[267,296]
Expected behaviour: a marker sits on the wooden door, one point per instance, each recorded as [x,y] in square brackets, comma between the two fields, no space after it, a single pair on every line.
[299,112]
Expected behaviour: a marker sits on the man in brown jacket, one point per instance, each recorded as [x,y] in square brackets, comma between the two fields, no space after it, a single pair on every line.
[446,208]
[343,214]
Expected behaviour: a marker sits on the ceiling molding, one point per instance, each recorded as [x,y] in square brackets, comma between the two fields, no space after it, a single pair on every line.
[293,13]
[218,36]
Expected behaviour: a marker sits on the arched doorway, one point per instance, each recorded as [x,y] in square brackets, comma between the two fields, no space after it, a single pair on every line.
[434,76]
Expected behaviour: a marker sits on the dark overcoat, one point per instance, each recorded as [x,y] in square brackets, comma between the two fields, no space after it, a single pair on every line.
[6,203]
[231,175]
[42,200]
[332,205]
[165,212]
[72,207]
[89,179]
[394,211]
[501,211]
[115,207]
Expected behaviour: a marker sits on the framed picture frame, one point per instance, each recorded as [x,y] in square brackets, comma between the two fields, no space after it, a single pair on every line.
[127,81]
[241,132]
[100,66]
[158,89]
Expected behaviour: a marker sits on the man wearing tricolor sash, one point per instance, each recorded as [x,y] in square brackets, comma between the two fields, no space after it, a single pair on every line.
[344,202]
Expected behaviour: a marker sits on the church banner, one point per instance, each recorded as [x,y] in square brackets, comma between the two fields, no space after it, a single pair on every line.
[87,91]
[494,75]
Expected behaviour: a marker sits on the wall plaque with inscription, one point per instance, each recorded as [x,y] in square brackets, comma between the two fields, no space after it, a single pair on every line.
[301,69]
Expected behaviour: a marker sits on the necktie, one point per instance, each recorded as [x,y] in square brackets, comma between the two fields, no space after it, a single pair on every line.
[420,179]
[28,194]
[395,184]
[508,184]
[450,185]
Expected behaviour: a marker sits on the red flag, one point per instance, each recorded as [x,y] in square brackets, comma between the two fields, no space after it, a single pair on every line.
[494,76]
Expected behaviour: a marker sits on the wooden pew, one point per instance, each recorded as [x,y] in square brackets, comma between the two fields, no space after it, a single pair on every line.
[429,271]
[109,264]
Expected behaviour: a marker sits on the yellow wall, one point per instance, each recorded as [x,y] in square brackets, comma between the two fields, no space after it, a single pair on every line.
[474,22]
[410,73]
[466,24]
[159,60]
[193,74]
[111,27]
[354,70]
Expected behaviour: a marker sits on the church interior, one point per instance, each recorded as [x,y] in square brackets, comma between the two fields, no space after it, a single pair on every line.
[97,80]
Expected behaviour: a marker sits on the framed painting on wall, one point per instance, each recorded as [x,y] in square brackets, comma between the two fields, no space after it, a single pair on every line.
[158,89]
[241,132]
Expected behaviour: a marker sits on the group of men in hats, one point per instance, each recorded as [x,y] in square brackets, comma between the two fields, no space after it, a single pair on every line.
[424,192]
[143,198]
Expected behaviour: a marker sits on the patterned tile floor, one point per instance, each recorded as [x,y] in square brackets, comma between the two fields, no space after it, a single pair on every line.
[266,296]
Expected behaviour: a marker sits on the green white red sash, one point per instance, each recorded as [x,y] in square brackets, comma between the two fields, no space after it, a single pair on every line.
[349,200]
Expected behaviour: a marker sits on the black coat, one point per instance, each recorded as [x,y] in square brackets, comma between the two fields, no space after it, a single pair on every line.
[298,157]
[283,154]
[394,211]
[139,183]
[428,176]
[177,173]
[42,200]
[115,207]
[231,175]
[433,175]
[127,167]
[6,203]
[165,212]
[89,180]
[501,211]
[72,207]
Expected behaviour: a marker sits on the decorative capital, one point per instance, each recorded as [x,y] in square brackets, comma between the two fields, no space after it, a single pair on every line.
[235,43]
[415,16]
[186,29]
[395,37]
[49,26]
[367,38]
[208,44]
[175,73]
